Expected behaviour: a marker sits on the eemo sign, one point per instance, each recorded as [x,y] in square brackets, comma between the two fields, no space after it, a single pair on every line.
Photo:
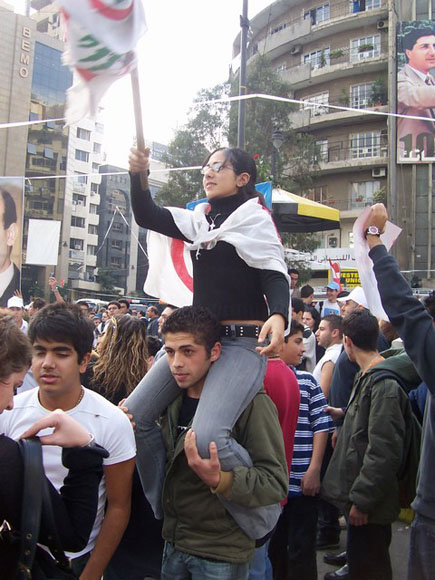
[25,52]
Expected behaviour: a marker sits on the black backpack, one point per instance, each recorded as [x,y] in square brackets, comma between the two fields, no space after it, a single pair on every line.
[408,473]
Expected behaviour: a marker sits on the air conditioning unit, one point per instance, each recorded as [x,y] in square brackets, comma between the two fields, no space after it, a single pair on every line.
[379,172]
[382,24]
[297,49]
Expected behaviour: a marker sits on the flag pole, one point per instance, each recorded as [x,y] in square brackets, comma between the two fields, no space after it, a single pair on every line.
[138,120]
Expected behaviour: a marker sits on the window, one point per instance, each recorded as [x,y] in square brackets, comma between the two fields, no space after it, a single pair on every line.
[117,227]
[99,127]
[34,116]
[362,193]
[77,222]
[82,155]
[79,199]
[318,58]
[94,187]
[115,261]
[91,250]
[321,99]
[76,244]
[97,148]
[93,230]
[117,244]
[318,193]
[278,28]
[361,95]
[48,153]
[364,145]
[80,178]
[50,125]
[31,148]
[322,148]
[373,4]
[366,47]
[95,168]
[93,208]
[83,134]
[319,14]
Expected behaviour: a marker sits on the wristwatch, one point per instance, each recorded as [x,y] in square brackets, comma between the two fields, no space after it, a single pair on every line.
[373,231]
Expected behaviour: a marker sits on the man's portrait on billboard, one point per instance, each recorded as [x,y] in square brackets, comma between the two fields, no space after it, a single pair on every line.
[416,91]
[11,193]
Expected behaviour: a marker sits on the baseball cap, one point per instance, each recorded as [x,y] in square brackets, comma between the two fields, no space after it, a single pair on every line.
[333,286]
[358,296]
[15,302]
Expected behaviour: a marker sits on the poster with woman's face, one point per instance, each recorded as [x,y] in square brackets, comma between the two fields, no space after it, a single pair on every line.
[11,228]
[416,91]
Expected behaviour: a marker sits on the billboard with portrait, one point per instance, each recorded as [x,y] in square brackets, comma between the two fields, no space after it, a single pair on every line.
[11,233]
[416,91]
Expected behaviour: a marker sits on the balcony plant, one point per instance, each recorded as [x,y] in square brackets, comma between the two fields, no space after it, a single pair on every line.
[365,47]
[344,98]
[336,53]
[379,95]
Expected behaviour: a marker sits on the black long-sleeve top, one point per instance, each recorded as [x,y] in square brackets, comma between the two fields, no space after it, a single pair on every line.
[222,281]
[74,508]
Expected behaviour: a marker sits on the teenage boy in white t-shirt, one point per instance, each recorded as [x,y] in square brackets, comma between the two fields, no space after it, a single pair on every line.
[62,341]
[330,336]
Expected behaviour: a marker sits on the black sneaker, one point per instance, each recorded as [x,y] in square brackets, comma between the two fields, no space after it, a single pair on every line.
[339,559]
[340,574]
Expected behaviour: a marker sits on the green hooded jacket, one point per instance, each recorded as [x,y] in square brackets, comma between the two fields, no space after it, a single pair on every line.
[373,443]
[195,521]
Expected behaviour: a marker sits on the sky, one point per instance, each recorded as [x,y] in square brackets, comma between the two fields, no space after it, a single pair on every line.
[188,47]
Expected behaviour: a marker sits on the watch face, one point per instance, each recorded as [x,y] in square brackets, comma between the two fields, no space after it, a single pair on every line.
[373,230]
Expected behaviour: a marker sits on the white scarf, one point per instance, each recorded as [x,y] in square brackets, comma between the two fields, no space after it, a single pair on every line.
[249,228]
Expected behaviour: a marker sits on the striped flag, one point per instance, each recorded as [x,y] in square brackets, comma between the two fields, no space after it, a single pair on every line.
[102,37]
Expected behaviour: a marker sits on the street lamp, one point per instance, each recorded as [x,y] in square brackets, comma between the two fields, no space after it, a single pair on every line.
[277,141]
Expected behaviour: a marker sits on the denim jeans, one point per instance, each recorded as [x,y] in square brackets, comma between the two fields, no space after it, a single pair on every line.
[260,567]
[181,566]
[421,563]
[231,384]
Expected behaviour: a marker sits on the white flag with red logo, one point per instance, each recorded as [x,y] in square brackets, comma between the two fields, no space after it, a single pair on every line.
[102,37]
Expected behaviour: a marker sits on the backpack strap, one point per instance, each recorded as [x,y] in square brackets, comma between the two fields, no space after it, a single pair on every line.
[31,504]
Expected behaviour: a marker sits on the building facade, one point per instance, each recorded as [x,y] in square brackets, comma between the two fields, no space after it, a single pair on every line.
[344,54]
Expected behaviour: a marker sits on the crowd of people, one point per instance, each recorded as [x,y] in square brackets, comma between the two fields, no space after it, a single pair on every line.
[225,439]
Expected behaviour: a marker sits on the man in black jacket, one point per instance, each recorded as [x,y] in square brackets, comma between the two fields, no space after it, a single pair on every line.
[415,328]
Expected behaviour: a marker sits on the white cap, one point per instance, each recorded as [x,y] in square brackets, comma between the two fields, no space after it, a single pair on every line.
[15,302]
[358,296]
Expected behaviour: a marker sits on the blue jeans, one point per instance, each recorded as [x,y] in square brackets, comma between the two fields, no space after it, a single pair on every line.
[260,567]
[421,563]
[231,384]
[181,566]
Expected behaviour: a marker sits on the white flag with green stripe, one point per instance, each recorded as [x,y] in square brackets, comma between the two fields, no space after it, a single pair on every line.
[102,37]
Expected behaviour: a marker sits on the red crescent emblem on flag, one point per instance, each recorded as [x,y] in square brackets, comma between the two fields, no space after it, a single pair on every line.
[111,13]
[177,255]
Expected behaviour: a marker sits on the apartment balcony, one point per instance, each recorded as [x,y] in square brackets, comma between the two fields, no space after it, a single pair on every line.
[322,116]
[351,159]
[91,260]
[92,239]
[76,255]
[93,219]
[313,26]
[79,210]
[78,233]
[79,284]
[340,63]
